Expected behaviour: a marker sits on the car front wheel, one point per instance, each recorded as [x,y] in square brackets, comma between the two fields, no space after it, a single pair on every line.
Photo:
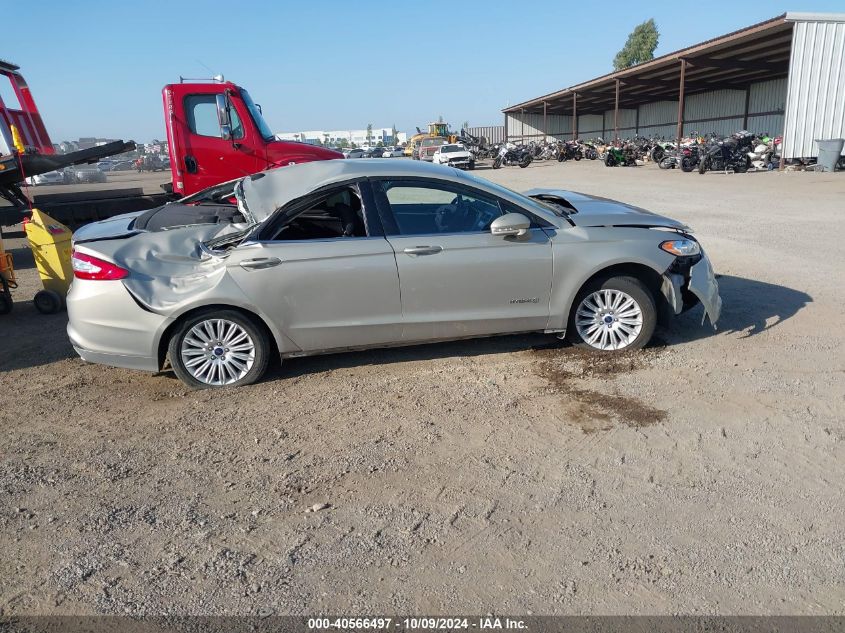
[613,314]
[220,348]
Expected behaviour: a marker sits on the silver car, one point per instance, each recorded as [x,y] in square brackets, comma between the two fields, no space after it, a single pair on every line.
[338,255]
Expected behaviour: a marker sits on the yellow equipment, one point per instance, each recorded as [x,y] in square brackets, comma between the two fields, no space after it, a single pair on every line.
[7,279]
[437,129]
[51,248]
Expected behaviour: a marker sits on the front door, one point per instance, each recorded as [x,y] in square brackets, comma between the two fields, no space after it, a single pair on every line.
[208,158]
[456,278]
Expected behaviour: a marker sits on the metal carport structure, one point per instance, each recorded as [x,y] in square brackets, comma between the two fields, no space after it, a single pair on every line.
[736,81]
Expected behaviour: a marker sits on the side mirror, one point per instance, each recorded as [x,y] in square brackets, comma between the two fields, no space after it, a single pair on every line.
[223,117]
[510,224]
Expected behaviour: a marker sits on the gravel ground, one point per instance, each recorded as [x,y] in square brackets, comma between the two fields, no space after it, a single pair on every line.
[703,475]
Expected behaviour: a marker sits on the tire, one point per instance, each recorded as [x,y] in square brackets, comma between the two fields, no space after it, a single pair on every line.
[497,162]
[657,154]
[666,163]
[703,165]
[686,164]
[47,301]
[525,162]
[224,369]
[561,157]
[609,161]
[641,313]
[6,303]
[472,165]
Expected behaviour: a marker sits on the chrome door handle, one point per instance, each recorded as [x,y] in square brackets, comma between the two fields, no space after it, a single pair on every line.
[260,263]
[423,250]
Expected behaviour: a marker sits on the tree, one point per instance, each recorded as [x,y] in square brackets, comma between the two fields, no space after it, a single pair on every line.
[640,46]
[369,133]
[394,135]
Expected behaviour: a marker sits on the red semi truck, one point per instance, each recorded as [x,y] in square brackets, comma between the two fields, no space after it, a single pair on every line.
[215,133]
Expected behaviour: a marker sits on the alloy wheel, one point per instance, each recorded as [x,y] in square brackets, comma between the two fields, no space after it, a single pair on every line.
[217,352]
[609,319]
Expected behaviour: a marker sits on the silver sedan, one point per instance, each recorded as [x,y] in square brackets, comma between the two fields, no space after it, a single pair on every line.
[338,255]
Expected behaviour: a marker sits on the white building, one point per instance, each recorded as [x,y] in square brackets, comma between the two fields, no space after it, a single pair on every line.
[333,137]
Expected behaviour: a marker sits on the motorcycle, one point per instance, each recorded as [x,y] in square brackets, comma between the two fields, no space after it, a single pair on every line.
[660,149]
[590,151]
[730,154]
[510,155]
[625,156]
[570,150]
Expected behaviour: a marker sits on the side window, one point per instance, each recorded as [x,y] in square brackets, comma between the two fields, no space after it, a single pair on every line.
[201,111]
[337,213]
[421,209]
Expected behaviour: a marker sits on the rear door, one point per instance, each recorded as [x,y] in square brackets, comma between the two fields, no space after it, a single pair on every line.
[456,278]
[326,292]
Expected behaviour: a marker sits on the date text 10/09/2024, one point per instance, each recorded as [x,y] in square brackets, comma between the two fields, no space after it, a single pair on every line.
[421,623]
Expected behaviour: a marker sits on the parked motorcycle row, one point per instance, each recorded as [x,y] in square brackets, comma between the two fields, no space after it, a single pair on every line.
[737,153]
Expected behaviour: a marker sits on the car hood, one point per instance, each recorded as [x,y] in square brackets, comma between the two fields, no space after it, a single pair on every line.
[586,210]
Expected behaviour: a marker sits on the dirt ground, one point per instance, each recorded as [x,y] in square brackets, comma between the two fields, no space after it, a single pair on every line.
[511,475]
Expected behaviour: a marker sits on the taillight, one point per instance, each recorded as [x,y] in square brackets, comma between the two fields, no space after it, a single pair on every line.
[88,267]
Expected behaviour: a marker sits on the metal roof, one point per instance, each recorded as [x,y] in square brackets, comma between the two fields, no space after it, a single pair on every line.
[735,60]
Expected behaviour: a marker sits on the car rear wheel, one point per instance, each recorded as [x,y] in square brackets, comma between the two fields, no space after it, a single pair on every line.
[220,348]
[612,315]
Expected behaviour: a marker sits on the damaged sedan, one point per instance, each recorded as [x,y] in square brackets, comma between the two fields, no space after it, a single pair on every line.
[339,255]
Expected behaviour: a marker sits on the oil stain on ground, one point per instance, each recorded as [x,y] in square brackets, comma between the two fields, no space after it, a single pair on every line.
[567,370]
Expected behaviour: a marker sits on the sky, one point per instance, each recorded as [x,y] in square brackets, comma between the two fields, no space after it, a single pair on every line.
[96,68]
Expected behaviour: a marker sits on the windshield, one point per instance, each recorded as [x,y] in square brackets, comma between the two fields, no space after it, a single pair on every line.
[431,142]
[450,148]
[255,113]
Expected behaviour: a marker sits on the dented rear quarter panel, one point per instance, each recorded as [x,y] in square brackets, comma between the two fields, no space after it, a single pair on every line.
[171,274]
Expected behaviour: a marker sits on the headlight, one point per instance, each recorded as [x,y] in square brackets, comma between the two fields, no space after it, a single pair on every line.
[681,248]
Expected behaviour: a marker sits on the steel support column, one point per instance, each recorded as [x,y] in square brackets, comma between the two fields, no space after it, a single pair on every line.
[747,103]
[681,102]
[522,125]
[616,116]
[574,115]
[545,124]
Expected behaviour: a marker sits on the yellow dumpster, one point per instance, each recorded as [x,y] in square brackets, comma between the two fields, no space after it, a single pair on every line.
[51,248]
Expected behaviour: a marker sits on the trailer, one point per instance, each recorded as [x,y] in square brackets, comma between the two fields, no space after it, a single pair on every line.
[21,121]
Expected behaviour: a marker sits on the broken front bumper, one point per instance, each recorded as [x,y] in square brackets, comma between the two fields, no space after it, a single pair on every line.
[699,280]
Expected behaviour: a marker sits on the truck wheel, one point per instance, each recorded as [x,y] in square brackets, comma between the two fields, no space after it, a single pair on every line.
[219,348]
[612,314]
[47,301]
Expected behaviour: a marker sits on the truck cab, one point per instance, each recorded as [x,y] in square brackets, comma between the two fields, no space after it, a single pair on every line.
[216,132]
